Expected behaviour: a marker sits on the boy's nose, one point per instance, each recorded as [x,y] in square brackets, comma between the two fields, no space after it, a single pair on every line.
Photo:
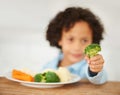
[77,46]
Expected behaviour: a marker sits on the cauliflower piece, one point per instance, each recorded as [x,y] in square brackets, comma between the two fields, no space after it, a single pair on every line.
[46,70]
[64,74]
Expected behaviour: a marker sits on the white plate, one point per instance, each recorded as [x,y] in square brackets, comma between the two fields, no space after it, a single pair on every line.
[75,78]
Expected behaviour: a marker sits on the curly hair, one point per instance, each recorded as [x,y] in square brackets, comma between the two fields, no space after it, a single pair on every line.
[67,18]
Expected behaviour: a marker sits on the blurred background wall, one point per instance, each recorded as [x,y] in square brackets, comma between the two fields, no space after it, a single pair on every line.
[22,32]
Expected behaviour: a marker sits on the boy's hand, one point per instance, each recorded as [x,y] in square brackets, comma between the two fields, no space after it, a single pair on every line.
[95,63]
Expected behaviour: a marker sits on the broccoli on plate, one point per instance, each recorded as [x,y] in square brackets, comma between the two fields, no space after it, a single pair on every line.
[51,77]
[47,77]
[92,49]
[39,77]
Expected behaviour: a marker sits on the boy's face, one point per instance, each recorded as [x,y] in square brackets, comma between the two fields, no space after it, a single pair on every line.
[74,41]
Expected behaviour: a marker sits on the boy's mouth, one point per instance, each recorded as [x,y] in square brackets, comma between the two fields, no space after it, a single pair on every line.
[76,55]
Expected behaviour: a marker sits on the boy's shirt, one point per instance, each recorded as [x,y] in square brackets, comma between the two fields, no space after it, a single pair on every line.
[79,68]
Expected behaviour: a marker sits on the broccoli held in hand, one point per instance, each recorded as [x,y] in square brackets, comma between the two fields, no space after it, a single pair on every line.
[92,49]
[48,77]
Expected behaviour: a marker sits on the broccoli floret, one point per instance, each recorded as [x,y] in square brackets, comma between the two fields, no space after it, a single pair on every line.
[51,77]
[92,49]
[39,77]
[46,77]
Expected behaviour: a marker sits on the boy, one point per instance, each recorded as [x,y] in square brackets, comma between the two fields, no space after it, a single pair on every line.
[72,30]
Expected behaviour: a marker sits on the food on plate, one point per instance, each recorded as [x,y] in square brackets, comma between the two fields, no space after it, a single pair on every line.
[64,74]
[51,77]
[46,70]
[92,49]
[28,71]
[17,74]
[39,77]
[47,77]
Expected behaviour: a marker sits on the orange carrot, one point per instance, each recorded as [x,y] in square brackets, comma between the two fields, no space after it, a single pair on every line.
[21,75]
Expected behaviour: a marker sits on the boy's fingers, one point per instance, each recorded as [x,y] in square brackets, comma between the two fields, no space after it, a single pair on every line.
[96,68]
[97,57]
[87,59]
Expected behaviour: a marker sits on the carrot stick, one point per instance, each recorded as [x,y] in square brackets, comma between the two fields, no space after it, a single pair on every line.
[21,75]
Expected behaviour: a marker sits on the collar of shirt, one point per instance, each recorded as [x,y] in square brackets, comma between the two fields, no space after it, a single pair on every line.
[74,67]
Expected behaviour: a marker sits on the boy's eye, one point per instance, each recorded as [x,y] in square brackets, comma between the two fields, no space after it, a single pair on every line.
[70,39]
[84,41]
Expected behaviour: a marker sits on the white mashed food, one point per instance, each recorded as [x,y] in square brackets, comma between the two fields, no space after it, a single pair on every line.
[28,71]
[64,74]
[46,70]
